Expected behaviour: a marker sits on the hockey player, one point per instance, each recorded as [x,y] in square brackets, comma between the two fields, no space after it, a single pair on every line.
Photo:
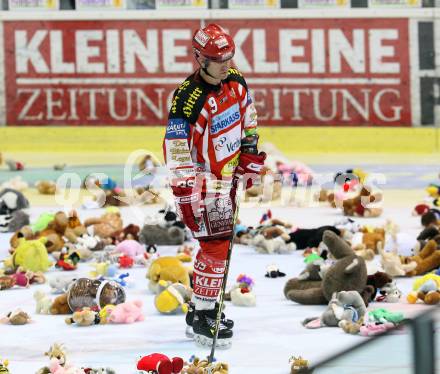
[211,141]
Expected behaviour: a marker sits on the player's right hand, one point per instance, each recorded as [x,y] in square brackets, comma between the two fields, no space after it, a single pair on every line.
[187,202]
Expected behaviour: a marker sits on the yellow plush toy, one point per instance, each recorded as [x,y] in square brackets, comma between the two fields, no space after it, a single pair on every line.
[31,255]
[418,282]
[167,268]
[173,297]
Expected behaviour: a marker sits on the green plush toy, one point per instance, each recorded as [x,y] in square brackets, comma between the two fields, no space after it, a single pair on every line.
[31,255]
[382,315]
[42,222]
[312,257]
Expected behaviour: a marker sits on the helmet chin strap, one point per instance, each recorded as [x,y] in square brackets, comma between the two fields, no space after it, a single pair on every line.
[205,69]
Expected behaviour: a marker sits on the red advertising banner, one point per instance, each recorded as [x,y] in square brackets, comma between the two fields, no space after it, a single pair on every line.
[300,71]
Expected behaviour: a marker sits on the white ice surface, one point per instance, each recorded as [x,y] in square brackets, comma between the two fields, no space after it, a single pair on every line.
[265,337]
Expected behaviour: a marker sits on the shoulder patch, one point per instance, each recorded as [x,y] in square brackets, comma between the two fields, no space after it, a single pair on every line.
[236,76]
[188,101]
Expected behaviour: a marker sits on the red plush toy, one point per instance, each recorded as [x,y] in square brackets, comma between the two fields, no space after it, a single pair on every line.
[125,261]
[158,363]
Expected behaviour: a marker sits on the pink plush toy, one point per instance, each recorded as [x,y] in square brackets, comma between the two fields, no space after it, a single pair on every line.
[56,368]
[375,329]
[130,248]
[128,312]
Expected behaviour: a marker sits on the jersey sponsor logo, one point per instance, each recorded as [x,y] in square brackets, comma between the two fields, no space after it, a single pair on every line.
[227,144]
[225,119]
[177,129]
[193,96]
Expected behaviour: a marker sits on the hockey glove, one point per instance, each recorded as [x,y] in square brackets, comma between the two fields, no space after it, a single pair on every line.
[186,202]
[250,166]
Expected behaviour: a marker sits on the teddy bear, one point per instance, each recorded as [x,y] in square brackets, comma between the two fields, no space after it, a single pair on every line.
[197,366]
[427,289]
[127,312]
[44,303]
[4,363]
[343,306]
[130,232]
[14,221]
[18,278]
[172,297]
[60,284]
[17,317]
[167,268]
[377,281]
[130,248]
[31,255]
[105,226]
[84,317]
[359,205]
[310,238]
[60,305]
[160,364]
[11,201]
[242,294]
[56,368]
[389,293]
[347,273]
[278,244]
[46,187]
[392,264]
[154,234]
[428,259]
[268,188]
[60,229]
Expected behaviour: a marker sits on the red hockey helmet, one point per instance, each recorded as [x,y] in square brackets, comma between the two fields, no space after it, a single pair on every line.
[213,43]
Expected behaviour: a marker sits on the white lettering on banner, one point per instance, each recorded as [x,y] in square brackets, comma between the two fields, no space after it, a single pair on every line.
[134,47]
[395,109]
[354,54]
[260,58]
[113,47]
[340,103]
[288,51]
[26,52]
[377,51]
[239,57]
[85,51]
[64,103]
[301,72]
[328,48]
[171,51]
[57,63]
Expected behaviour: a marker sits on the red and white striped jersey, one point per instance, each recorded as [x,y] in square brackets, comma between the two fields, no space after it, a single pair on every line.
[205,126]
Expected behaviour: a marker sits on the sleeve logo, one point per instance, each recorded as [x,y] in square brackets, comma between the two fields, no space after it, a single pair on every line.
[177,129]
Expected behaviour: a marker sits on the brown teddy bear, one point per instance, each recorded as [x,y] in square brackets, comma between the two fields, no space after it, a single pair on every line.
[107,225]
[359,205]
[372,240]
[60,305]
[84,317]
[46,187]
[268,189]
[74,228]
[25,232]
[130,232]
[428,259]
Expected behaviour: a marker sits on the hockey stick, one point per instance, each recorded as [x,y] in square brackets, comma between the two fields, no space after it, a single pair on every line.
[225,278]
